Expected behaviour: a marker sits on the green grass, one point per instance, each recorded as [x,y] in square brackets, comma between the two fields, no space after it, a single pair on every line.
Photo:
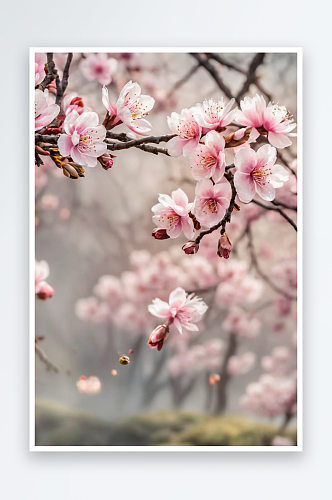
[61,426]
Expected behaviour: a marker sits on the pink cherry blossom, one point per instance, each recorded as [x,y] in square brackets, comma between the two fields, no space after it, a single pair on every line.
[188,133]
[211,201]
[172,214]
[40,61]
[99,67]
[212,114]
[131,108]
[44,112]
[111,108]
[208,160]
[183,310]
[275,119]
[83,140]
[256,172]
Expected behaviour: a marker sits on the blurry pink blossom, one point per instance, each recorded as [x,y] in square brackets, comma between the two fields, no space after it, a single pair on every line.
[44,112]
[188,133]
[270,396]
[40,61]
[91,385]
[83,140]
[275,120]
[211,201]
[257,172]
[42,271]
[49,202]
[282,441]
[208,160]
[237,321]
[239,365]
[172,214]
[183,310]
[99,67]
[45,292]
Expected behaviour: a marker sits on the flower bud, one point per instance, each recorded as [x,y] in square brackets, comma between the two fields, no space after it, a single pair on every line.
[224,246]
[158,337]
[77,101]
[106,160]
[214,378]
[46,292]
[190,248]
[160,234]
[124,360]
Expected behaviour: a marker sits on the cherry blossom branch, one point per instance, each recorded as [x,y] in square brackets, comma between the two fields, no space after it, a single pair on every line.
[61,85]
[142,140]
[215,75]
[51,75]
[227,217]
[254,262]
[276,209]
[42,356]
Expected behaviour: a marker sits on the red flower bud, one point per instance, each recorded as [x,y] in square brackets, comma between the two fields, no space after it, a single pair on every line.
[224,246]
[158,337]
[190,248]
[160,234]
[78,101]
[46,292]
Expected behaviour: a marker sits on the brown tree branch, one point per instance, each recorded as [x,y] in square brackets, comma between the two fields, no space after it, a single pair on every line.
[276,209]
[215,75]
[42,356]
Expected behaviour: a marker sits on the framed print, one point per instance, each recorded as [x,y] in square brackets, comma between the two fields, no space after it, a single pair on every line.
[166,249]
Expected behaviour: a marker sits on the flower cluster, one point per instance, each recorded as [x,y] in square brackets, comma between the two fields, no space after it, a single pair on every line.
[199,137]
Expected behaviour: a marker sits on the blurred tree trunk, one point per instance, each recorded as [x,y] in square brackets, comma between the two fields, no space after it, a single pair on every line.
[224,375]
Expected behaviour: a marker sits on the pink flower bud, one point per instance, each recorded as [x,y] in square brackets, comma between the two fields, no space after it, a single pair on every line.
[224,246]
[106,160]
[158,337]
[160,234]
[46,292]
[77,101]
[190,248]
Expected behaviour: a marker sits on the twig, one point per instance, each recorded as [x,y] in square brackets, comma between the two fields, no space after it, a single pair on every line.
[223,62]
[276,209]
[42,356]
[285,162]
[51,73]
[259,270]
[183,80]
[251,76]
[61,85]
[215,74]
